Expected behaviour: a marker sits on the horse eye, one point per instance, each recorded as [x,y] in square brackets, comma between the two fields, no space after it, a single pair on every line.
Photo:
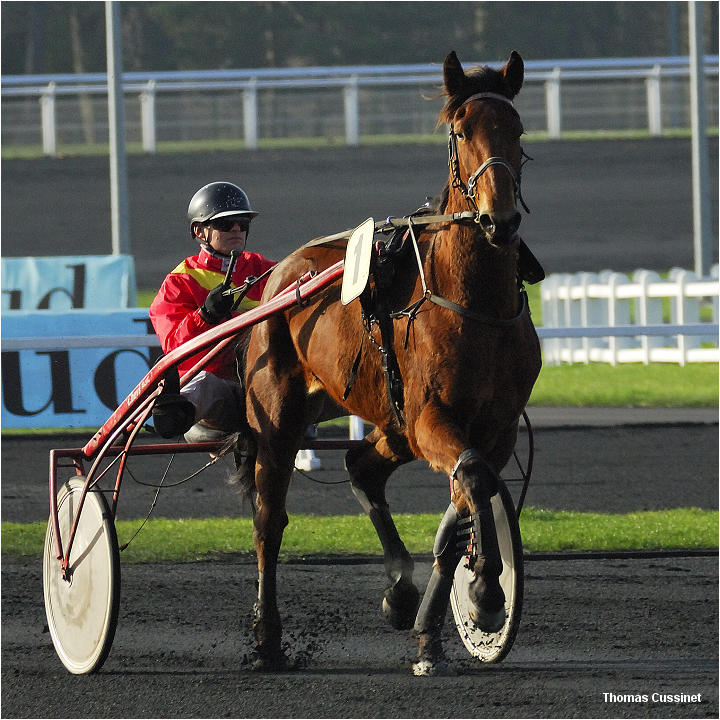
[460,136]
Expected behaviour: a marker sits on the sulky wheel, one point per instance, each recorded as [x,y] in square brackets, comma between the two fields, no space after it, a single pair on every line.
[493,647]
[82,612]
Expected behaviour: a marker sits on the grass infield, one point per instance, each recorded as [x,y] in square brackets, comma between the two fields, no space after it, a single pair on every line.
[191,540]
[32,152]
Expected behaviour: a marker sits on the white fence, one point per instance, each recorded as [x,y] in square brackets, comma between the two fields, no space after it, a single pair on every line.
[340,103]
[612,318]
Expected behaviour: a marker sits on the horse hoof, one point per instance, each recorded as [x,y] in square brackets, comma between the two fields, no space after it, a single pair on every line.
[427,668]
[488,622]
[269,662]
[401,612]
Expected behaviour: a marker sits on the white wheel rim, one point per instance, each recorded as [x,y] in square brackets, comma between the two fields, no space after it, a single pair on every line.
[82,613]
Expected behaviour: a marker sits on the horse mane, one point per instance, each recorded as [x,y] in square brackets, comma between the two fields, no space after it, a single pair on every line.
[438,203]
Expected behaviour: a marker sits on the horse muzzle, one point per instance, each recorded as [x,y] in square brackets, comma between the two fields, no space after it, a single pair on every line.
[499,231]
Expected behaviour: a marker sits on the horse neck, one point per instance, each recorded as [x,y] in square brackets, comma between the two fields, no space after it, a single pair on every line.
[467,270]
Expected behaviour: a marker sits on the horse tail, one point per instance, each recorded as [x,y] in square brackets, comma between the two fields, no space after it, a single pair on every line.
[244,448]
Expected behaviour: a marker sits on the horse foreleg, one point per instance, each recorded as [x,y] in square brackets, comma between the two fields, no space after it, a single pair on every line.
[443,443]
[433,609]
[478,481]
[369,466]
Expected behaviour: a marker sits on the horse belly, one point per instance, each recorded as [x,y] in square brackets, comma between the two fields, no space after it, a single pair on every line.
[327,355]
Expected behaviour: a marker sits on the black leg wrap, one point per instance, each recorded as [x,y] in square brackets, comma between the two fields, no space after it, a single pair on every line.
[477,537]
[446,531]
[433,608]
[428,626]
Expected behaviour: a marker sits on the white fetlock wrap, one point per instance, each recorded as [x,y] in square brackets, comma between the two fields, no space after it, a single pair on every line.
[425,668]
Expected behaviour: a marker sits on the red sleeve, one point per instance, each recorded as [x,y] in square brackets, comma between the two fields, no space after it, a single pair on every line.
[174,311]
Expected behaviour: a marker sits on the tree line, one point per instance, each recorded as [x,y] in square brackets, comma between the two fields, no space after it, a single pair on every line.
[69,37]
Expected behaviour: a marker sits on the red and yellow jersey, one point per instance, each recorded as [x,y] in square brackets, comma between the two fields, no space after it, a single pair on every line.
[175,310]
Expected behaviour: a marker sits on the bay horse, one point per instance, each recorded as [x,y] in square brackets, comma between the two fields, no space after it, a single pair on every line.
[463,357]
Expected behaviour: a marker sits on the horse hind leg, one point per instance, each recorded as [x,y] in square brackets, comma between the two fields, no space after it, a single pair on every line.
[269,522]
[277,446]
[369,467]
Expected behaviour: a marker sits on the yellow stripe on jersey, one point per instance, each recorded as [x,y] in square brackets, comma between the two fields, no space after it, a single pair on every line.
[208,279]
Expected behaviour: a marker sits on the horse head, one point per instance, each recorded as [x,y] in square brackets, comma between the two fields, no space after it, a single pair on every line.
[485,156]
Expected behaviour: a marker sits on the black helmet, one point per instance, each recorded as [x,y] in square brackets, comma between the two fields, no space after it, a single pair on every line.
[219,199]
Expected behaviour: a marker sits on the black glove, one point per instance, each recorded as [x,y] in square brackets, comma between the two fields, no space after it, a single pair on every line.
[217,306]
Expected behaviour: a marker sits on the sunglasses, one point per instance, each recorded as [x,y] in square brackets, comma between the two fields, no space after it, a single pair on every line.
[225,224]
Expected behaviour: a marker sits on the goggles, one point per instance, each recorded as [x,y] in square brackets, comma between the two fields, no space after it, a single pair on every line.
[225,224]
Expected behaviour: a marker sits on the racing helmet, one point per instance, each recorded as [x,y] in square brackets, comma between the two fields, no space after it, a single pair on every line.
[218,199]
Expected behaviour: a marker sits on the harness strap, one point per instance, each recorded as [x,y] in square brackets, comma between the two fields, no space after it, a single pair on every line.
[392,223]
[354,369]
[480,317]
[411,310]
[391,369]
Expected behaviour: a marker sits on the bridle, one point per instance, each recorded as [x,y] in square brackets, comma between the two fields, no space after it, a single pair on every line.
[468,189]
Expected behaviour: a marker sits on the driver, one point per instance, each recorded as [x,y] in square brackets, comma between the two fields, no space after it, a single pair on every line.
[191,301]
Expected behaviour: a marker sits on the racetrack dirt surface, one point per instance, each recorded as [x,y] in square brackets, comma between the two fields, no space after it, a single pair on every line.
[589,627]
[623,625]
[599,204]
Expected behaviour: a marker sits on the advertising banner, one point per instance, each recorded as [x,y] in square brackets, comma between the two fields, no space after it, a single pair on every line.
[97,282]
[72,369]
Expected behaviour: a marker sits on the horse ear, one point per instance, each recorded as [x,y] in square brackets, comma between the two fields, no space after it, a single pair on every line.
[514,73]
[453,74]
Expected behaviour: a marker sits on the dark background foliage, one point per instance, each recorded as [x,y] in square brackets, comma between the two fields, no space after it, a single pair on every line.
[61,37]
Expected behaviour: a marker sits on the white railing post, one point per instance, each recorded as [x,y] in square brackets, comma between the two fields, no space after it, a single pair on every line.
[592,312]
[686,310]
[553,107]
[250,115]
[715,275]
[571,317]
[357,428]
[648,311]
[47,114]
[596,312]
[582,281]
[654,101]
[618,314]
[549,305]
[352,112]
[147,117]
